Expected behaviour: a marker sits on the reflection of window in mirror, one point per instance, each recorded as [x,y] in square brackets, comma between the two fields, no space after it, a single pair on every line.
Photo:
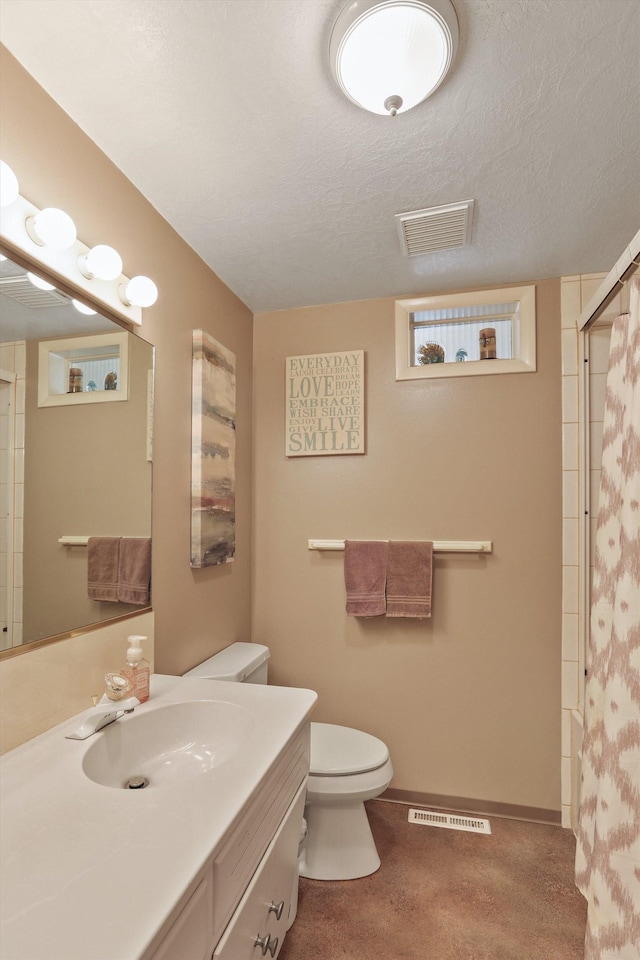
[489,331]
[91,369]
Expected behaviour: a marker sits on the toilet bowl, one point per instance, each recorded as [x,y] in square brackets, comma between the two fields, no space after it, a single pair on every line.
[347,767]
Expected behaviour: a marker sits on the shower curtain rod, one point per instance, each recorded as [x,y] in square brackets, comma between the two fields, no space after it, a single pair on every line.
[623,270]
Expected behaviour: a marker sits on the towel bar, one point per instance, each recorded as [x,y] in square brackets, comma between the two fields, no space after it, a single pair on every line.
[439,546]
[79,541]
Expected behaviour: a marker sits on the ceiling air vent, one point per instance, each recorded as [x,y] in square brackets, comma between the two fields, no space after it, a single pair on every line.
[21,290]
[436,228]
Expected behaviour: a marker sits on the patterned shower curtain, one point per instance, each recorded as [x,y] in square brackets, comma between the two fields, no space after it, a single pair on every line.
[608,851]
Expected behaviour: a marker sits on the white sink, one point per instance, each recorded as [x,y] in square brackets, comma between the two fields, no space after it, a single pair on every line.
[168,745]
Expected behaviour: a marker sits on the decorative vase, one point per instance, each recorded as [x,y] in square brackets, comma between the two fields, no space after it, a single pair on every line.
[431,353]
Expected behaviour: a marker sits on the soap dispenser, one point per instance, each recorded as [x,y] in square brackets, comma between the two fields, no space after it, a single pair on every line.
[136,670]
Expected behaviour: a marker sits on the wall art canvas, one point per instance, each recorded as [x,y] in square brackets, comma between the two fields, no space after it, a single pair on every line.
[325,404]
[213,449]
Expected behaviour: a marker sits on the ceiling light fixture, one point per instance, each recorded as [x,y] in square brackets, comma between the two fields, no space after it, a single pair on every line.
[389,55]
[52,228]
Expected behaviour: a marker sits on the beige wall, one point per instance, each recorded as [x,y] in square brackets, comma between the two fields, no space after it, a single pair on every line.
[467,702]
[197,612]
[54,682]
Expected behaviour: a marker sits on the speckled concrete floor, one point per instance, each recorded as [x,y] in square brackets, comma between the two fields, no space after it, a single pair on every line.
[447,895]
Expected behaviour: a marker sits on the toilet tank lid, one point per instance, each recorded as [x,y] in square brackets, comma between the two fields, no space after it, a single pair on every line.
[233,663]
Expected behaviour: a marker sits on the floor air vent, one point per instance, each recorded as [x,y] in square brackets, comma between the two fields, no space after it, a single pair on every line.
[450,821]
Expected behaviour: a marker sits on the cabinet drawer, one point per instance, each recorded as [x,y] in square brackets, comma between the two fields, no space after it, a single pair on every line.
[264,909]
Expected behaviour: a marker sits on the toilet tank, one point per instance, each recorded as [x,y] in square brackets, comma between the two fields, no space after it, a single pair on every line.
[240,663]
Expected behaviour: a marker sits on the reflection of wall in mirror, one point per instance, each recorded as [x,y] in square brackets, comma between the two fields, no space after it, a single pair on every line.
[86,474]
[11,491]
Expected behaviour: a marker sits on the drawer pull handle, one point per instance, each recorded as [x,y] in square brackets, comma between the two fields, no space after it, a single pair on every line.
[266,944]
[276,908]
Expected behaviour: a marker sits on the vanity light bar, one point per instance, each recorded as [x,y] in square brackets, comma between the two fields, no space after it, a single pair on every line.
[97,271]
[439,546]
[62,263]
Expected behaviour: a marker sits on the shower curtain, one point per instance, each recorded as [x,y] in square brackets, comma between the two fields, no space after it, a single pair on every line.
[608,850]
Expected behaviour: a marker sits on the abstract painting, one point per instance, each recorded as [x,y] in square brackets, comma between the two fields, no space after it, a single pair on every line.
[213,449]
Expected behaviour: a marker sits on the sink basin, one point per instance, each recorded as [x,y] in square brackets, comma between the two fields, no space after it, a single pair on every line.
[168,744]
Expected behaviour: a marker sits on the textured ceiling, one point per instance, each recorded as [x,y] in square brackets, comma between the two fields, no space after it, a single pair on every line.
[224,114]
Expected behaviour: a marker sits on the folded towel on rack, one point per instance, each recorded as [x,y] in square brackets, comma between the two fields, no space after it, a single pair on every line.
[409,578]
[103,555]
[134,570]
[365,571]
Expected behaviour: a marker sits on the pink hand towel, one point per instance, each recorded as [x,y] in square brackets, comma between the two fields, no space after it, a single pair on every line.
[103,555]
[409,579]
[134,572]
[365,571]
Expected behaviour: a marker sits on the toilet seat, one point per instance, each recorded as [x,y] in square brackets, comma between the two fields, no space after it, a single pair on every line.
[338,751]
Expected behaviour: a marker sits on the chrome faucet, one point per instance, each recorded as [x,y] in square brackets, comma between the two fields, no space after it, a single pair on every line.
[101,716]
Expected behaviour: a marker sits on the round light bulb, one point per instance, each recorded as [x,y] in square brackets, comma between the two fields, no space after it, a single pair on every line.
[52,228]
[139,292]
[83,308]
[9,188]
[101,263]
[39,282]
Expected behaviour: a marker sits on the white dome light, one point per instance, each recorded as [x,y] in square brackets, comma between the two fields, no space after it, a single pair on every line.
[139,292]
[9,188]
[101,263]
[39,282]
[52,228]
[389,55]
[83,308]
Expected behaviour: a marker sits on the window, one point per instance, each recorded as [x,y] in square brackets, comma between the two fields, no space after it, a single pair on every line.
[466,334]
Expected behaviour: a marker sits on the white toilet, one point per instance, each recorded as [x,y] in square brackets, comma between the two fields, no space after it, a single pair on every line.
[347,768]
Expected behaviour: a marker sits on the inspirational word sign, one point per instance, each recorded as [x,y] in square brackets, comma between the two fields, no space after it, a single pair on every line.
[325,404]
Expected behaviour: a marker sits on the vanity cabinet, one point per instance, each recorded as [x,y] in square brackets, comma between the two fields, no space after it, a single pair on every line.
[260,922]
[243,904]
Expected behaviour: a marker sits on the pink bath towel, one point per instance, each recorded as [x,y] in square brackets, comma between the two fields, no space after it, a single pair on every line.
[365,570]
[103,554]
[134,572]
[409,579]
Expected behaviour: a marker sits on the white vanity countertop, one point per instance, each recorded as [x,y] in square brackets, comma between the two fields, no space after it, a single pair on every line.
[89,872]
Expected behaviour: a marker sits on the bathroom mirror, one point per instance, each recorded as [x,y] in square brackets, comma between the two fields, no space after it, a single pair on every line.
[73,467]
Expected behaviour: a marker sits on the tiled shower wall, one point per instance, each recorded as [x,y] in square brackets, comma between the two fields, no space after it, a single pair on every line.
[12,359]
[577,497]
